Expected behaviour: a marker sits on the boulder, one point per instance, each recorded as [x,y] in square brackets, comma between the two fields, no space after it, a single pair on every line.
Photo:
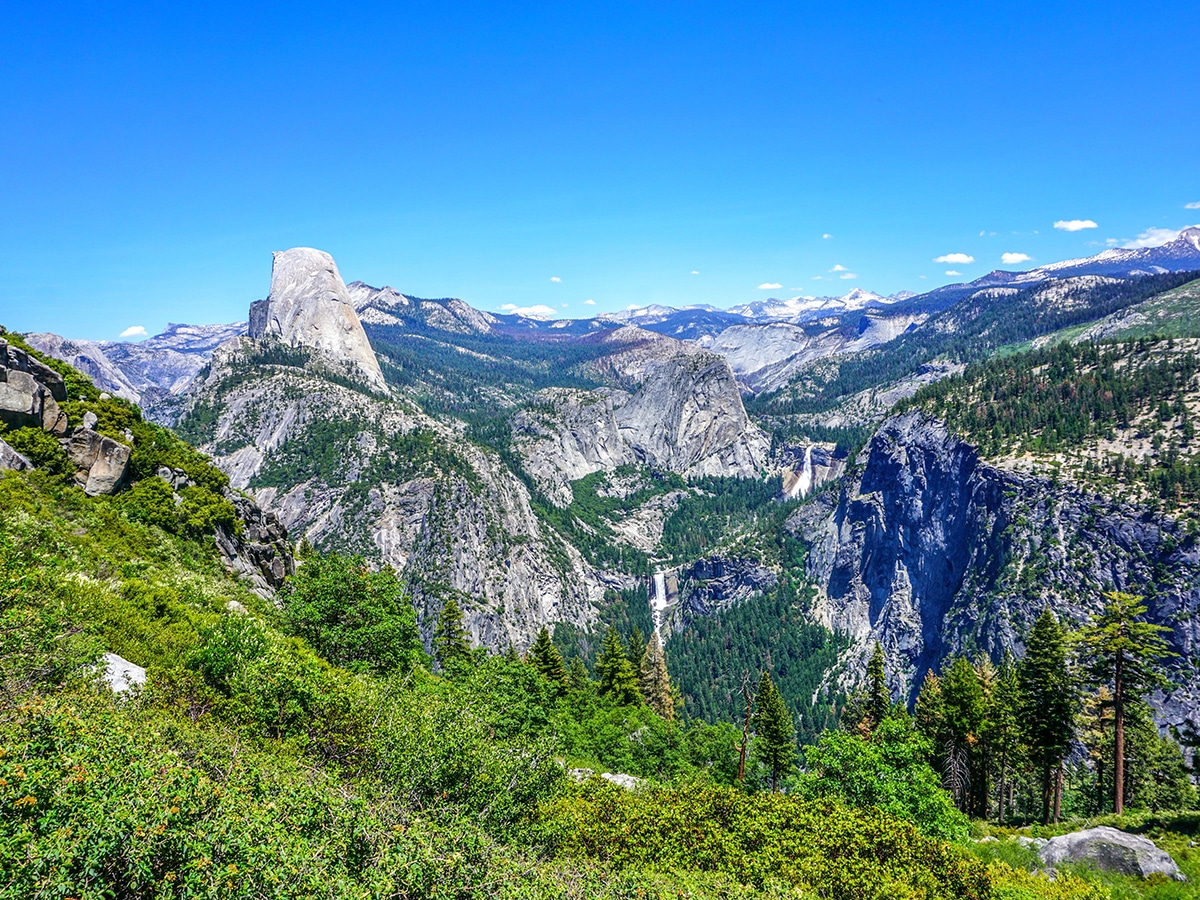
[16,358]
[121,674]
[11,459]
[100,462]
[30,392]
[21,399]
[1111,850]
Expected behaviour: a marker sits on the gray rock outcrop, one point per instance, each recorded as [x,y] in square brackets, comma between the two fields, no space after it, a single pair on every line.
[260,553]
[688,417]
[101,463]
[121,675]
[12,460]
[30,392]
[1112,851]
[309,306]
[714,584]
[931,551]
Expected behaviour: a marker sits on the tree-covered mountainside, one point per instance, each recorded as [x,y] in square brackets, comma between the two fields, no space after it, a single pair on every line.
[1119,416]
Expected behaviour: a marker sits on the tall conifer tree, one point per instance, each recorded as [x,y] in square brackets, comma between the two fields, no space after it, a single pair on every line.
[615,673]
[775,733]
[1048,699]
[451,641]
[654,680]
[1122,654]
[548,661]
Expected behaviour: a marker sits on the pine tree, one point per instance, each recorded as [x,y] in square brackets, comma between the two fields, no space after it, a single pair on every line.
[963,707]
[879,698]
[580,680]
[636,647]
[1047,700]
[1001,726]
[1122,654]
[616,674]
[451,642]
[654,681]
[774,731]
[548,661]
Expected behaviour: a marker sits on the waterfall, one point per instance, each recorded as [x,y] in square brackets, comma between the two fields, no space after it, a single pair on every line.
[803,485]
[658,603]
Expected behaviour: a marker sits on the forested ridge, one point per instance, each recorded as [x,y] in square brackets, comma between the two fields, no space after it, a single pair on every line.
[1090,404]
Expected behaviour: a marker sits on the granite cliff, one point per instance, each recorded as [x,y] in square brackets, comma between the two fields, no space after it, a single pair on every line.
[931,550]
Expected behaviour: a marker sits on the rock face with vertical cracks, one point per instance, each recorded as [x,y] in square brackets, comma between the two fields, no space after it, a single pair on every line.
[932,551]
[309,306]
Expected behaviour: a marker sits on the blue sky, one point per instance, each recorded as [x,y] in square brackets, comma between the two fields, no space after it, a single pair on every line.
[152,158]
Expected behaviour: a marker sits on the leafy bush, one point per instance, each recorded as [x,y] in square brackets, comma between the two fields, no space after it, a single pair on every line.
[888,771]
[762,839]
[354,617]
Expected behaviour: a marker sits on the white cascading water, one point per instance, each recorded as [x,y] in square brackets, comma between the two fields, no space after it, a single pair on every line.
[658,602]
[802,485]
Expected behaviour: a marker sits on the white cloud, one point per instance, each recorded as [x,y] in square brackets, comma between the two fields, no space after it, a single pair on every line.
[952,272]
[1011,259]
[847,275]
[826,236]
[589,302]
[838,268]
[818,278]
[1074,224]
[562,306]
[134,331]
[1192,205]
[1152,237]
[960,258]
[922,276]
[556,279]
[982,233]
[695,271]
[769,286]
[530,312]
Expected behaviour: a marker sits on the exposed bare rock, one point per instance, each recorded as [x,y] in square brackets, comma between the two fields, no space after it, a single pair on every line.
[261,553]
[402,488]
[931,551]
[1111,850]
[567,434]
[100,462]
[309,306]
[121,675]
[12,460]
[688,417]
[30,392]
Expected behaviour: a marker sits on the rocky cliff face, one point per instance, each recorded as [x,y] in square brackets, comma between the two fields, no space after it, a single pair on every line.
[362,472]
[932,551]
[683,414]
[310,307]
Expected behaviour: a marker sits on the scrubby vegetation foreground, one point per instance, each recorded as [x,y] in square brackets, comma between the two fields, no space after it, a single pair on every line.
[249,766]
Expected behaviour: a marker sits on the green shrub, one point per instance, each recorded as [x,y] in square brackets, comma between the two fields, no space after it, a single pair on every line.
[354,617]
[889,771]
[151,501]
[761,839]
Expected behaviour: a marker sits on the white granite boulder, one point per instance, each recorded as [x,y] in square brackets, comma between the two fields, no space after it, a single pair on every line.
[1111,850]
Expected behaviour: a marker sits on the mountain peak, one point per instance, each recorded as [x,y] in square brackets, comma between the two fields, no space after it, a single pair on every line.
[309,306]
